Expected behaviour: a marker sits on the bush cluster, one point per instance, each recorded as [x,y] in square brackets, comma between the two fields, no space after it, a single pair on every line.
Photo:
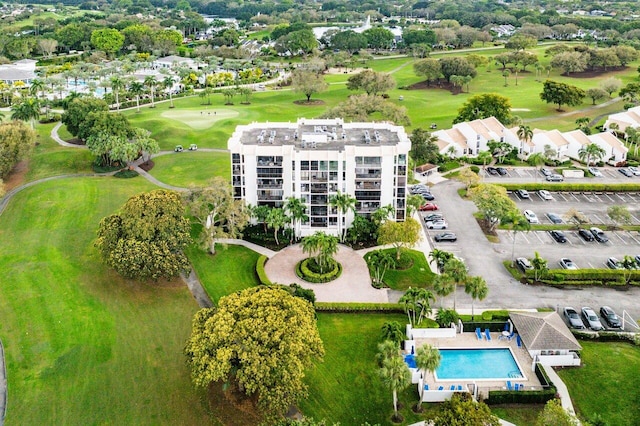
[520,397]
[262,275]
[606,277]
[303,270]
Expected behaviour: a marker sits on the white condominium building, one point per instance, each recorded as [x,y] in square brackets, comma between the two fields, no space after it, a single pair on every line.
[314,159]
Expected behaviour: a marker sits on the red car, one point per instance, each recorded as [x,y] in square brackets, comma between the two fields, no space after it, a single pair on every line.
[428,207]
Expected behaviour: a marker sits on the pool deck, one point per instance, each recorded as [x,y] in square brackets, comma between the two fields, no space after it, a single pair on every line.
[470,341]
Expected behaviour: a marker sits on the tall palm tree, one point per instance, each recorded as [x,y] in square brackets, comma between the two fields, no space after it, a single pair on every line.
[396,376]
[344,203]
[525,133]
[443,285]
[516,222]
[297,211]
[427,359]
[416,302]
[393,331]
[458,272]
[386,349]
[321,247]
[168,83]
[591,151]
[276,220]
[136,88]
[440,257]
[536,160]
[26,110]
[117,84]
[151,82]
[477,288]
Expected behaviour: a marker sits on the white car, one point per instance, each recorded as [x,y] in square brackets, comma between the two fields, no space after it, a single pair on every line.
[595,172]
[634,170]
[438,224]
[545,195]
[592,319]
[531,216]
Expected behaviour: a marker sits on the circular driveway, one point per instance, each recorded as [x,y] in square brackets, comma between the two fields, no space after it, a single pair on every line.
[353,285]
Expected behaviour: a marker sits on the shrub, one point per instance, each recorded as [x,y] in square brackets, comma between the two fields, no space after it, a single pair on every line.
[521,397]
[303,271]
[126,174]
[262,275]
[475,169]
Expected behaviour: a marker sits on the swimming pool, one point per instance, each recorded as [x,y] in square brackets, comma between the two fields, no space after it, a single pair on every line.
[478,364]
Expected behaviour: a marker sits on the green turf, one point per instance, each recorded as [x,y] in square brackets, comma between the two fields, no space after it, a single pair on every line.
[418,275]
[82,345]
[518,414]
[186,169]
[232,268]
[607,382]
[346,387]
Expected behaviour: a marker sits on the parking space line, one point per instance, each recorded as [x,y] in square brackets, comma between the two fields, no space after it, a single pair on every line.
[574,196]
[635,219]
[558,194]
[597,219]
[632,237]
[609,197]
[620,238]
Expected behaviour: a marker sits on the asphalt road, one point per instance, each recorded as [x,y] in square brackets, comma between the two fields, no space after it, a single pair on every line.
[485,258]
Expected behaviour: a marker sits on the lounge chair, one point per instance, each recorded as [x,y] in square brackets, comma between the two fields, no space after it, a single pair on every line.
[426,387]
[520,387]
[517,385]
[518,340]
[509,386]
[453,387]
[441,388]
[511,336]
[479,333]
[459,388]
[487,333]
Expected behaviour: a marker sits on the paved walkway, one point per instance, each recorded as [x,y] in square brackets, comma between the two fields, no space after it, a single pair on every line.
[258,249]
[56,137]
[199,293]
[565,399]
[354,285]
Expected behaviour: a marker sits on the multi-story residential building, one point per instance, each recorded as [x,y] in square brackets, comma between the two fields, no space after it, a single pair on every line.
[314,160]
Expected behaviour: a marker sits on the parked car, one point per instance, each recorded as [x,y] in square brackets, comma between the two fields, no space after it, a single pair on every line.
[523,194]
[502,171]
[634,170]
[585,234]
[492,170]
[558,236]
[626,172]
[592,319]
[446,236]
[524,264]
[428,207]
[554,178]
[531,216]
[610,317]
[545,195]
[554,218]
[567,263]
[595,172]
[637,259]
[572,316]
[433,216]
[614,263]
[599,235]
[178,148]
[546,172]
[428,196]
[193,147]
[437,224]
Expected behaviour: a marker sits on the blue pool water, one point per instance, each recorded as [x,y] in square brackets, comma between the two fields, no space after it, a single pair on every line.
[478,364]
[410,360]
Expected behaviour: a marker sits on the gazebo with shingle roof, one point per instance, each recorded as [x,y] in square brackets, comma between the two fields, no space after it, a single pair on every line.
[546,336]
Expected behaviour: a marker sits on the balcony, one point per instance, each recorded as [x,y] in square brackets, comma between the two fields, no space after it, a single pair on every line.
[267,197]
[373,175]
[319,189]
[368,185]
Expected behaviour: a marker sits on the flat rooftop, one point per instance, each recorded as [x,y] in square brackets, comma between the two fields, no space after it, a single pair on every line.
[310,136]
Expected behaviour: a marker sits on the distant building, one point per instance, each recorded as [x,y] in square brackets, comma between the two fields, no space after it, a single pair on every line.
[314,159]
[23,70]
[170,61]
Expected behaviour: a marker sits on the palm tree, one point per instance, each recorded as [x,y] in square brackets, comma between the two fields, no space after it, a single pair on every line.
[297,210]
[525,133]
[457,270]
[516,223]
[485,157]
[136,88]
[506,74]
[416,302]
[443,285]
[26,110]
[477,288]
[392,330]
[536,160]
[613,128]
[413,204]
[633,137]
[321,247]
[37,85]
[344,203]
[117,84]
[440,257]
[591,151]
[276,220]
[151,82]
[396,376]
[427,359]
[386,349]
[168,83]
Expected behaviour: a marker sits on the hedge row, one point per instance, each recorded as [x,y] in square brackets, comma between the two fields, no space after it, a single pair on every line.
[521,397]
[262,275]
[608,336]
[359,307]
[303,271]
[577,187]
[607,277]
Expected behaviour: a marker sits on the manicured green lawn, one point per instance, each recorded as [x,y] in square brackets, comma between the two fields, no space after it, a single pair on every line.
[607,382]
[418,275]
[232,268]
[346,387]
[186,169]
[82,345]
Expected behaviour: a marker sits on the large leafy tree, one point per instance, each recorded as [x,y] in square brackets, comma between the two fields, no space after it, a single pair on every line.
[308,82]
[250,340]
[423,146]
[16,143]
[115,124]
[378,38]
[456,65]
[429,68]
[108,40]
[554,414]
[217,212]
[78,110]
[147,237]
[561,94]
[461,410]
[484,106]
[349,41]
[492,201]
[372,82]
[400,235]
[367,107]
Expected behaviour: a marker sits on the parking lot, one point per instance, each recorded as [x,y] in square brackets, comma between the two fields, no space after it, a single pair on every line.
[529,174]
